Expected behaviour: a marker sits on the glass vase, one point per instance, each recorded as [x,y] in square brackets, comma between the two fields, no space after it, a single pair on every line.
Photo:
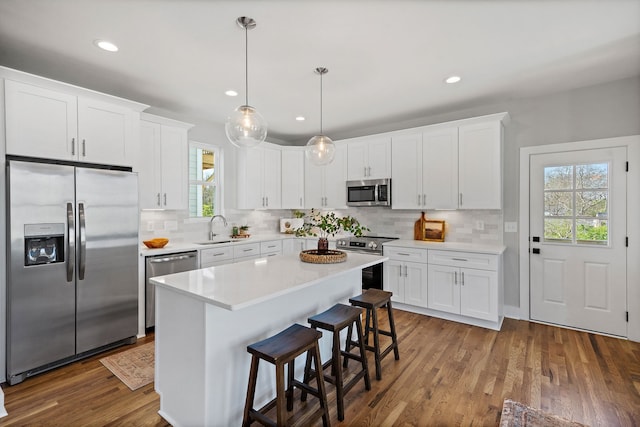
[323,245]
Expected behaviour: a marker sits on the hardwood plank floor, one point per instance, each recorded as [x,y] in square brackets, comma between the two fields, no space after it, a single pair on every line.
[448,374]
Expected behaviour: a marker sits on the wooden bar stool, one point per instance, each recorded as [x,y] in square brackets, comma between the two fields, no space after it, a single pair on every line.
[335,320]
[371,300]
[280,350]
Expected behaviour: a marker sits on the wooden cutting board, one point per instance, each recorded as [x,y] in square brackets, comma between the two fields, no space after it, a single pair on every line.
[418,228]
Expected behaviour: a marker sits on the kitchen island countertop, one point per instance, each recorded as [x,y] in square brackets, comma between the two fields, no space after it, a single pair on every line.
[235,286]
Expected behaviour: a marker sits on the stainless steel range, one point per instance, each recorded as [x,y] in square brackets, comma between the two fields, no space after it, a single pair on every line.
[372,277]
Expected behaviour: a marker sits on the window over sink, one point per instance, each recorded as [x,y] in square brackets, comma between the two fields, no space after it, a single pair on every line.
[205,169]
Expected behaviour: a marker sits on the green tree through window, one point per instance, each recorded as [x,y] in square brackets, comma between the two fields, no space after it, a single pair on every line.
[576,198]
[204,171]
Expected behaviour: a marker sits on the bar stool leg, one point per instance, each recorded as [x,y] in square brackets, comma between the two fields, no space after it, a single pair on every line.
[392,329]
[307,376]
[337,373]
[251,391]
[348,345]
[363,354]
[280,395]
[376,342]
[289,393]
[321,388]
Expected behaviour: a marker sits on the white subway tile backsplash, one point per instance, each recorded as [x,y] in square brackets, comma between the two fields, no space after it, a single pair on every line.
[381,221]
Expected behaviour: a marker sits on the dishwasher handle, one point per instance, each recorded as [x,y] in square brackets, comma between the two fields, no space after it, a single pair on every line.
[171,258]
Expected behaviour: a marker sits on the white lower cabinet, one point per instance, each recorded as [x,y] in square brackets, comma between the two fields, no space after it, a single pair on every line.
[455,288]
[216,256]
[243,252]
[405,274]
[293,246]
[461,286]
[271,248]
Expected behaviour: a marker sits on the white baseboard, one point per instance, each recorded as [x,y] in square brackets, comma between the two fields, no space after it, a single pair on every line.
[512,312]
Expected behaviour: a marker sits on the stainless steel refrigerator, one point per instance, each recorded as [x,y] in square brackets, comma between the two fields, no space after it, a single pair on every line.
[73,263]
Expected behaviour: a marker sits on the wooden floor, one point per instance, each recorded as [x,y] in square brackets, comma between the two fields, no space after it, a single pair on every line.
[448,374]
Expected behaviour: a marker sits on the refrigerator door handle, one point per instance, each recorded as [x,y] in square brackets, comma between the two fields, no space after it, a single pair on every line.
[83,242]
[71,242]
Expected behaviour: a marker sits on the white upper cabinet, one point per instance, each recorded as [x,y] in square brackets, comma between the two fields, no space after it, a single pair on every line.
[480,166]
[259,178]
[450,166]
[369,158]
[56,134]
[425,169]
[406,182]
[46,123]
[325,186]
[162,174]
[440,169]
[292,178]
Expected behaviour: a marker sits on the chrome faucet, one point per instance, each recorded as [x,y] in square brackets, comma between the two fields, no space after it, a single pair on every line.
[224,221]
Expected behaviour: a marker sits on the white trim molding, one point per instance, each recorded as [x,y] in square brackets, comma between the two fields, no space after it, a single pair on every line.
[632,143]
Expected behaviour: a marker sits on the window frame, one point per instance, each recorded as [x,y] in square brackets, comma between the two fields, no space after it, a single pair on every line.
[217,183]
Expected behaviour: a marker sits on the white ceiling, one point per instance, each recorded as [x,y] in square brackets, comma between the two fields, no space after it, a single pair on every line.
[387,59]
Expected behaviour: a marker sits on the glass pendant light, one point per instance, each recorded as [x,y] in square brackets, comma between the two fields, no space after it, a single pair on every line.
[245,126]
[320,148]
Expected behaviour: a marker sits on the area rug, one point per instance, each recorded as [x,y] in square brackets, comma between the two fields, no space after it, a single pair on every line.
[134,367]
[515,414]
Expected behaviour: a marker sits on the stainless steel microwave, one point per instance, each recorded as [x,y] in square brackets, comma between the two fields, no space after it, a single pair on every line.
[369,192]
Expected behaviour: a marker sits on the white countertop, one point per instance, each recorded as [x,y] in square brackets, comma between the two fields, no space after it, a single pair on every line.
[236,286]
[494,249]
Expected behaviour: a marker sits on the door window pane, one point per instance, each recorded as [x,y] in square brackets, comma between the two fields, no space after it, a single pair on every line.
[576,198]
[558,178]
[592,176]
[558,230]
[558,203]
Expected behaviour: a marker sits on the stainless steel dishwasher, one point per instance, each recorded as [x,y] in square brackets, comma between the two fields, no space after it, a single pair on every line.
[159,266]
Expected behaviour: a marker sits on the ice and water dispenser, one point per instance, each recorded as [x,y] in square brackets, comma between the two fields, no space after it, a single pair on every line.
[43,243]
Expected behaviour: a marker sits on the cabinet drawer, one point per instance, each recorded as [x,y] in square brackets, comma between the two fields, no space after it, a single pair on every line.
[406,254]
[215,255]
[245,250]
[464,259]
[270,247]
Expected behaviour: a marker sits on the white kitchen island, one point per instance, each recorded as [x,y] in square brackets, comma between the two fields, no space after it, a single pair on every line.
[206,318]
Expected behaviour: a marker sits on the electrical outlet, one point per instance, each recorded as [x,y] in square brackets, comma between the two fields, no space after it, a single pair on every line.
[510,227]
[479,225]
[149,225]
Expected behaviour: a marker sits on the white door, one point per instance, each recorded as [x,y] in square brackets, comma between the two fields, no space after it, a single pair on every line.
[578,239]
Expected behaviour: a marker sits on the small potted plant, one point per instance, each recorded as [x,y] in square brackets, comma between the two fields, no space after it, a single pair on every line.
[244,230]
[328,224]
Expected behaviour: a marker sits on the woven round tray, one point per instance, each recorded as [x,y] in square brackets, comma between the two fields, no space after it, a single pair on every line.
[330,257]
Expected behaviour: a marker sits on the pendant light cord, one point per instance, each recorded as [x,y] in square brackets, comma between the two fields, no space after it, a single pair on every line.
[246,65]
[321,133]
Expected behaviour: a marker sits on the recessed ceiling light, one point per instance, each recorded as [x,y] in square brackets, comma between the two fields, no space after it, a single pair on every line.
[231,93]
[300,118]
[453,79]
[106,45]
